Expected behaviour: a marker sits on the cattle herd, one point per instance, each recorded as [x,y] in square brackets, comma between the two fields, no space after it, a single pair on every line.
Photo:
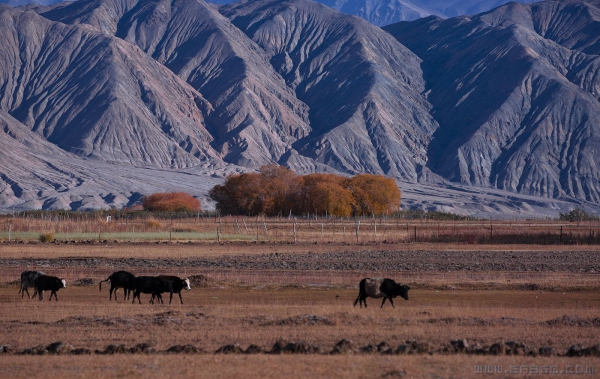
[153,285]
[157,285]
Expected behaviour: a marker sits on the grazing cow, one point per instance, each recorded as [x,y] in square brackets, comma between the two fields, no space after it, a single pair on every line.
[177,284]
[378,288]
[28,279]
[49,283]
[152,285]
[120,279]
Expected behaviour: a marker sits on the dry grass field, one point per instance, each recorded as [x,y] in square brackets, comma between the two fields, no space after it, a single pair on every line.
[263,294]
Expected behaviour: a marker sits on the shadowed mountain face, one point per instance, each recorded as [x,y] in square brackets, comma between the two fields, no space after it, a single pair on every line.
[256,116]
[97,96]
[310,88]
[516,100]
[362,87]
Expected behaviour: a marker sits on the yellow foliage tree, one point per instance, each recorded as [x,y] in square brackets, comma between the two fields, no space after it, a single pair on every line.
[373,194]
[324,194]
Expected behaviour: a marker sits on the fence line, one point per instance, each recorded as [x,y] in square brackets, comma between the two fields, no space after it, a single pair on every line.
[294,230]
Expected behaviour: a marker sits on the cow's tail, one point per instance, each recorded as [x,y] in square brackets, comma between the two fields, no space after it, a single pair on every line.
[100,284]
[361,291]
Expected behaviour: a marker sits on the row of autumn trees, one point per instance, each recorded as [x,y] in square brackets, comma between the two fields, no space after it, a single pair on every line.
[275,190]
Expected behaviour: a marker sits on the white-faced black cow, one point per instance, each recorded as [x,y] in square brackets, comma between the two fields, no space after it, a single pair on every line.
[120,279]
[28,279]
[177,284]
[378,288]
[152,285]
[49,283]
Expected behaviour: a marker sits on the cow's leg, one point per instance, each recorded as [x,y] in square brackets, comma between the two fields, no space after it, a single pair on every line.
[125,293]
[180,299]
[392,302]
[24,289]
[41,295]
[35,292]
[383,302]
[53,293]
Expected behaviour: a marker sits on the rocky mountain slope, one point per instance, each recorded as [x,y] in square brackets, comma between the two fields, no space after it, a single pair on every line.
[377,12]
[380,12]
[256,116]
[36,174]
[272,97]
[362,87]
[97,96]
[517,101]
[110,99]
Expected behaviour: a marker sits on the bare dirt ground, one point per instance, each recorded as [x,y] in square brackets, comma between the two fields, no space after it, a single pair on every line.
[298,300]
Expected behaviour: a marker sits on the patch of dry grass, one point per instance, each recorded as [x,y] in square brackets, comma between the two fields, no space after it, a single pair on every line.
[262,306]
[208,249]
[280,366]
[213,317]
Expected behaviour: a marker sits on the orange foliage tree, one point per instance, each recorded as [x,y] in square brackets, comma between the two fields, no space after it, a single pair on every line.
[275,190]
[373,194]
[241,194]
[324,194]
[171,202]
[270,191]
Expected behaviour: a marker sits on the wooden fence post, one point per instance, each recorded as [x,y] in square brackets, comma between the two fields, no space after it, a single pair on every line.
[295,231]
[560,240]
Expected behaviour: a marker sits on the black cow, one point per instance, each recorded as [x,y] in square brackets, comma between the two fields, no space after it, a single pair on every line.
[152,285]
[49,283]
[28,279]
[119,279]
[177,284]
[378,288]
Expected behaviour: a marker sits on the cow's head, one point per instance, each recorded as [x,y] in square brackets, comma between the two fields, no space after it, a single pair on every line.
[187,284]
[64,283]
[402,291]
